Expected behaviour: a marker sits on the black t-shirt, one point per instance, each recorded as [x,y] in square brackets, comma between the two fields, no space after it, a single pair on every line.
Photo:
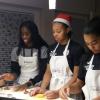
[75,53]
[84,65]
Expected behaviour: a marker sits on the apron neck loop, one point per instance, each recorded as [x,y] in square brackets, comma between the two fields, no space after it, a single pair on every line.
[66,48]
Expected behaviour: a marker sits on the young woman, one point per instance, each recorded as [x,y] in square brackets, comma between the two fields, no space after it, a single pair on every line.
[29,59]
[89,74]
[63,64]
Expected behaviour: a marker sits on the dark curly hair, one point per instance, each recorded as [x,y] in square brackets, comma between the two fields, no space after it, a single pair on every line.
[93,27]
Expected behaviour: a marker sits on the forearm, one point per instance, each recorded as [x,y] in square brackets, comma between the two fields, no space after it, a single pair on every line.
[10,76]
[74,77]
[15,68]
[46,78]
[97,98]
[76,87]
[46,81]
[71,81]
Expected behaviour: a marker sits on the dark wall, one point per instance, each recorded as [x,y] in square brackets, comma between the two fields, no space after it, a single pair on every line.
[9,32]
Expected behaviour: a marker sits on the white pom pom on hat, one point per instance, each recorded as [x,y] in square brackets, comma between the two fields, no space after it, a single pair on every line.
[63,18]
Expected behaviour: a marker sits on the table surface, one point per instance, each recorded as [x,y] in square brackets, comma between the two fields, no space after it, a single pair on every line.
[20,95]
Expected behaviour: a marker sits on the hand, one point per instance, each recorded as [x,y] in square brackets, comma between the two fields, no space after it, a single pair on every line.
[64,92]
[52,94]
[2,82]
[8,76]
[37,90]
[20,87]
[97,98]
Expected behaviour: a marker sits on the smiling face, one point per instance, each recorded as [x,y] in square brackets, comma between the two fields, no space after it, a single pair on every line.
[59,32]
[26,35]
[93,42]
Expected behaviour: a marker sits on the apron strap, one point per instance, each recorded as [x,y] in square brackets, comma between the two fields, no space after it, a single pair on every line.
[56,48]
[31,52]
[66,51]
[91,61]
[24,52]
[53,52]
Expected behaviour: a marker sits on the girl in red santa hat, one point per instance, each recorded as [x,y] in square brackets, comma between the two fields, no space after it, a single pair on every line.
[63,63]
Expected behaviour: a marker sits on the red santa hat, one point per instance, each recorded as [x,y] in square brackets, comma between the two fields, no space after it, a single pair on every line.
[63,18]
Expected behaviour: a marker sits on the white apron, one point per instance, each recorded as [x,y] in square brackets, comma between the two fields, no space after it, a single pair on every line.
[60,70]
[92,82]
[29,67]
